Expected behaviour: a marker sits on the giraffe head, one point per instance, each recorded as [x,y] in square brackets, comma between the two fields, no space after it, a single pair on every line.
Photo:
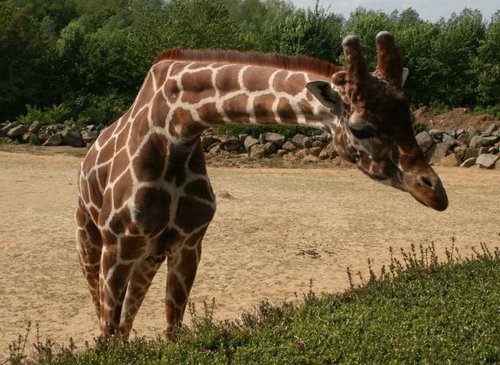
[372,121]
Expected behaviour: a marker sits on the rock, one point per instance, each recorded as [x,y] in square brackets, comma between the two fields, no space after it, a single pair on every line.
[487,161]
[469,162]
[450,140]
[214,149]
[249,142]
[310,159]
[54,140]
[26,137]
[269,148]
[289,157]
[460,151]
[257,151]
[315,151]
[229,143]
[207,140]
[331,151]
[493,150]
[35,126]
[436,134]
[300,154]
[301,141]
[438,152]
[424,140]
[89,136]
[72,137]
[281,153]
[482,150]
[481,141]
[489,131]
[323,155]
[275,138]
[450,160]
[317,143]
[8,126]
[325,137]
[17,131]
[471,152]
[289,146]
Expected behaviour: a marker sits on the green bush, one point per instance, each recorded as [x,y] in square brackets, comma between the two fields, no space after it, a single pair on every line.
[55,114]
[256,131]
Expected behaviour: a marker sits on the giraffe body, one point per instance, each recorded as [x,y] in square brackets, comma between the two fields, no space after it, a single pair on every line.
[145,196]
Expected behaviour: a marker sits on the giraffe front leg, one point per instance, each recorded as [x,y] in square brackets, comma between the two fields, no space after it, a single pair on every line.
[181,274]
[140,281]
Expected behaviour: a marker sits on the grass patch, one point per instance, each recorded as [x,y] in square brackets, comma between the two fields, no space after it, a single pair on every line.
[417,310]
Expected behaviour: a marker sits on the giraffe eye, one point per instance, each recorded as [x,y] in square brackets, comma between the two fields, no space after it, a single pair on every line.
[364,133]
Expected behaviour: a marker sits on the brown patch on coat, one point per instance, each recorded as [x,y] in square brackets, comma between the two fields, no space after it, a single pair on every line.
[236,108]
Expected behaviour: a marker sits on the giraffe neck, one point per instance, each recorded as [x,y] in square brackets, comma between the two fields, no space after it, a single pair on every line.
[184,98]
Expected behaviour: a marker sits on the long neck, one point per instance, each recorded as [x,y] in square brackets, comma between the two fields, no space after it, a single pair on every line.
[188,97]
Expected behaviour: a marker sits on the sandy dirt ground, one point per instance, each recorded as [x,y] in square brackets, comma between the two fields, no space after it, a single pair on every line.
[275,230]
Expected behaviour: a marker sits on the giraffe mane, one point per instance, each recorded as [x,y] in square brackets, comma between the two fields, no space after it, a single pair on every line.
[295,63]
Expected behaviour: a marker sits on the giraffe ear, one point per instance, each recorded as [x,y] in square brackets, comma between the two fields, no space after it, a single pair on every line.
[323,91]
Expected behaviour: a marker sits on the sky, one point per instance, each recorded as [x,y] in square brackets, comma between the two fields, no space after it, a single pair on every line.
[431,10]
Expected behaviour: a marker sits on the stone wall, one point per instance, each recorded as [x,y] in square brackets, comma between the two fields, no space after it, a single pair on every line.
[465,148]
[461,147]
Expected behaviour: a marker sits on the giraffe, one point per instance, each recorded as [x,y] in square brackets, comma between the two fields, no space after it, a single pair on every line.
[144,194]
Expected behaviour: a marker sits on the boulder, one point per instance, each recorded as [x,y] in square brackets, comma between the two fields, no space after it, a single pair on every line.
[257,151]
[471,152]
[229,143]
[323,155]
[289,146]
[310,159]
[275,138]
[54,140]
[331,151]
[35,126]
[438,152]
[481,141]
[249,142]
[460,151]
[487,161]
[72,137]
[301,141]
[269,148]
[89,136]
[315,151]
[17,131]
[448,139]
[424,140]
[207,141]
[8,126]
[436,134]
[489,131]
[469,162]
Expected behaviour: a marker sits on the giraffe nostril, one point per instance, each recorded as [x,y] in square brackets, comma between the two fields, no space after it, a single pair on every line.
[426,182]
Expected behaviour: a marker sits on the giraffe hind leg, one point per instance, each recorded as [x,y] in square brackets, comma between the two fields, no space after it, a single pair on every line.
[89,246]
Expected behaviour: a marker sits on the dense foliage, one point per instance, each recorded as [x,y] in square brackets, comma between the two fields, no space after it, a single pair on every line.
[418,311]
[84,60]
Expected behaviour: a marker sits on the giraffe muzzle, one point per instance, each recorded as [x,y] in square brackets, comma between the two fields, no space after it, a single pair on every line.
[426,187]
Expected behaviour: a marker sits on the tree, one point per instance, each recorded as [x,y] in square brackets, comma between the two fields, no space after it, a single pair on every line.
[316,33]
